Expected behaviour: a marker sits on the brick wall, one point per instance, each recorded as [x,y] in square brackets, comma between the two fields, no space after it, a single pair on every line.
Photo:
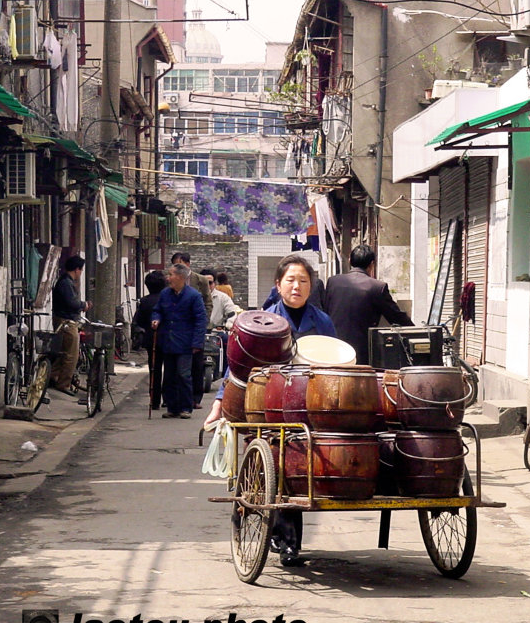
[230,257]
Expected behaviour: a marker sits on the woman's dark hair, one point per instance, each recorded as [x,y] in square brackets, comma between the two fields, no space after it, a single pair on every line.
[155,282]
[287,261]
[209,271]
[222,279]
[361,256]
[74,262]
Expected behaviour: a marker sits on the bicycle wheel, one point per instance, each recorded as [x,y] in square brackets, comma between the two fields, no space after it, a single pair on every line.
[450,535]
[122,345]
[38,384]
[95,384]
[12,379]
[472,379]
[251,528]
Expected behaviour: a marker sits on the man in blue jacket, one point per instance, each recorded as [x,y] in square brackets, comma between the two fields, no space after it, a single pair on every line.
[180,316]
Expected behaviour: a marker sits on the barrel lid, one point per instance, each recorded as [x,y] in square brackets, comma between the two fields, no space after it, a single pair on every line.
[262,323]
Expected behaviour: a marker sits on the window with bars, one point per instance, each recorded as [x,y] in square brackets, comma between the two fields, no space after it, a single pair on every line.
[191,123]
[241,167]
[236,80]
[236,123]
[273,124]
[270,80]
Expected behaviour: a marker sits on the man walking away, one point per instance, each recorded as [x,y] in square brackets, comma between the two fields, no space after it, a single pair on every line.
[155,282]
[66,310]
[356,301]
[200,283]
[180,318]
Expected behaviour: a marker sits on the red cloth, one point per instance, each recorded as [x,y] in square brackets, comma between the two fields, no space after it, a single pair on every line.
[467,302]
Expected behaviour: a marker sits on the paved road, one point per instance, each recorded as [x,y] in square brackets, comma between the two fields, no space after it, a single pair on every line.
[124,527]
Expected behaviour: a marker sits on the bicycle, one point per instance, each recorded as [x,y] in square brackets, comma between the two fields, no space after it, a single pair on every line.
[96,341]
[27,377]
[451,358]
[122,341]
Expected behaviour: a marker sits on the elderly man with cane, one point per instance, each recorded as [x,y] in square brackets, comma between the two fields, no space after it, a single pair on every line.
[179,318]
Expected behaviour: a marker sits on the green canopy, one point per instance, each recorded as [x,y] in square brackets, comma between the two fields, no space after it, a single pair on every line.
[8,100]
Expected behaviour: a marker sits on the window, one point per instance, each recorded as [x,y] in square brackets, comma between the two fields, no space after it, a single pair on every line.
[235,123]
[193,164]
[273,124]
[189,123]
[270,80]
[187,80]
[241,168]
[236,80]
[75,9]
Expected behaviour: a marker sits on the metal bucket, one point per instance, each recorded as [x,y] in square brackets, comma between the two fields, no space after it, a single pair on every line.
[386,481]
[389,397]
[255,395]
[273,397]
[429,464]
[342,399]
[294,393]
[431,397]
[258,338]
[344,465]
[233,403]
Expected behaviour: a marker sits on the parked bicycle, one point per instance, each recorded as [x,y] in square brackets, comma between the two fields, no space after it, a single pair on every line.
[452,359]
[29,361]
[122,341]
[92,374]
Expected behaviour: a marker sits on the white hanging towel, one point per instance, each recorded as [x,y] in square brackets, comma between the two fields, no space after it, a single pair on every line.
[101,213]
[325,222]
[67,91]
[53,49]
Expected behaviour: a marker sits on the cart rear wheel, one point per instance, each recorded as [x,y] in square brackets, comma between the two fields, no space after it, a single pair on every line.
[251,528]
[450,535]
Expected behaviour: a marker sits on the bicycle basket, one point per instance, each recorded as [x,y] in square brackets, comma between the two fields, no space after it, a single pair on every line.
[48,342]
[98,336]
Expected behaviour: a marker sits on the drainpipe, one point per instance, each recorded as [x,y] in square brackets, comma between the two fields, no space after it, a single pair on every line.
[381,113]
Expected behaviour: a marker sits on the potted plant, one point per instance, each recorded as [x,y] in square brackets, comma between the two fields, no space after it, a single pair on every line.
[431,62]
[515,61]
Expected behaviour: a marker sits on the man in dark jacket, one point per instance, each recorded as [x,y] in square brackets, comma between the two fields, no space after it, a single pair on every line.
[356,301]
[180,318]
[155,282]
[66,310]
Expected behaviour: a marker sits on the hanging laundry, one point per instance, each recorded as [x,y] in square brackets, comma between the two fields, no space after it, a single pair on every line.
[237,207]
[325,221]
[67,91]
[290,168]
[101,214]
[53,49]
[13,37]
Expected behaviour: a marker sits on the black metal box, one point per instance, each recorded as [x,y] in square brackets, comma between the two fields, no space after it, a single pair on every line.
[392,348]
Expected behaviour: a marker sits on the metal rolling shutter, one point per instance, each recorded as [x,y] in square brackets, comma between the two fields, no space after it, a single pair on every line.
[452,206]
[477,232]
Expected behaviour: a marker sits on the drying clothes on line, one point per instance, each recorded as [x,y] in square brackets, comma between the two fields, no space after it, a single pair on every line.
[53,49]
[13,37]
[336,118]
[101,214]
[67,90]
[325,221]
[238,207]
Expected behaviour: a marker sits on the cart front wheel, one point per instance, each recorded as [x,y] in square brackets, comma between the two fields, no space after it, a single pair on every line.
[251,528]
[450,535]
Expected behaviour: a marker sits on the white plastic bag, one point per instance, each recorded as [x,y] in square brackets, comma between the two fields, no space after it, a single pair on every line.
[215,463]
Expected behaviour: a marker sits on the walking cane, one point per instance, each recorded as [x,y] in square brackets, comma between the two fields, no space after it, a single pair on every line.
[152,375]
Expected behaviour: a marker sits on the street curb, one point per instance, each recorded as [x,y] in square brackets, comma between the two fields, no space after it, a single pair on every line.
[32,474]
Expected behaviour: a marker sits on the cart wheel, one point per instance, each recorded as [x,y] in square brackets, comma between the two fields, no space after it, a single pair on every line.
[450,535]
[251,529]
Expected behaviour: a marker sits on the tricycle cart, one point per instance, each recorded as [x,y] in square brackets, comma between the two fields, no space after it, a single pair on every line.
[448,524]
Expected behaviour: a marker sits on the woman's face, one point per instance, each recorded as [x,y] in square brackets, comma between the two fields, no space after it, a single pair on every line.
[295,286]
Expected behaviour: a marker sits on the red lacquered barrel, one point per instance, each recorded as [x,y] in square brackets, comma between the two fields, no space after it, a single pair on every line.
[431,397]
[233,404]
[342,399]
[274,396]
[258,338]
[294,393]
[429,464]
[255,395]
[344,465]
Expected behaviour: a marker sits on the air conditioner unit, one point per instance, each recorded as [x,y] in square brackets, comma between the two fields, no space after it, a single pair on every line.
[173,98]
[26,22]
[20,175]
[168,142]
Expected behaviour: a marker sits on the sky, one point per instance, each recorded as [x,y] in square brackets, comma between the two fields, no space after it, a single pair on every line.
[270,20]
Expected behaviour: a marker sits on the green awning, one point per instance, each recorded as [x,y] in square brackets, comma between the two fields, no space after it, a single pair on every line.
[114,192]
[63,146]
[8,100]
[476,125]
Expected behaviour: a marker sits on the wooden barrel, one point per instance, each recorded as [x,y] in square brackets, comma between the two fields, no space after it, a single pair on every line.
[255,395]
[233,403]
[273,400]
[342,399]
[258,338]
[431,397]
[294,393]
[429,464]
[344,465]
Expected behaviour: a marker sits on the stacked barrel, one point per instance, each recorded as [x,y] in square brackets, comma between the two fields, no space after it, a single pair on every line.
[393,432]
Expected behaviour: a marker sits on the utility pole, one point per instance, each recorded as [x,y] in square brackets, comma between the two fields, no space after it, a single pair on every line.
[106,273]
